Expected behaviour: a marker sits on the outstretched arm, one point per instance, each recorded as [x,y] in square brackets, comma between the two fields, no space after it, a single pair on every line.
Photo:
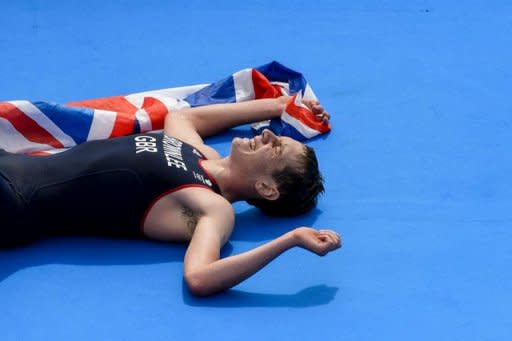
[209,120]
[206,274]
[193,124]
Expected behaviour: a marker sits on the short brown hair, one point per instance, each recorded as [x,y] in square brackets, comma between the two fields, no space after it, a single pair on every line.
[298,189]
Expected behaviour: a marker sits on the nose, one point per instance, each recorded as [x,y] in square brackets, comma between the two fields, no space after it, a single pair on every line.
[267,136]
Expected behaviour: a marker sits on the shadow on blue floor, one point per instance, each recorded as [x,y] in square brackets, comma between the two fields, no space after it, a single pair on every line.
[308,297]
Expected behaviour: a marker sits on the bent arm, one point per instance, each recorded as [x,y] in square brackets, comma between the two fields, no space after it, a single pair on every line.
[209,120]
[205,273]
[221,274]
[212,119]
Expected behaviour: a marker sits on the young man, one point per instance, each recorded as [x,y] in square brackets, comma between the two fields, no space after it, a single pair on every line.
[172,187]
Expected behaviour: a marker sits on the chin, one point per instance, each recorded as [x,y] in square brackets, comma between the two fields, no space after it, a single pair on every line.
[235,145]
[235,152]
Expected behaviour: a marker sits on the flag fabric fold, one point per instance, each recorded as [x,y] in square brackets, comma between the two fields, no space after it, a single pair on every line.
[43,128]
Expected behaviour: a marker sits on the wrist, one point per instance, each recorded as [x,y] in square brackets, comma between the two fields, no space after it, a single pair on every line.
[292,238]
[281,103]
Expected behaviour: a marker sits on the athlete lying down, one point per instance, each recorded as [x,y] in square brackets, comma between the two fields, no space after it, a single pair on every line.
[172,187]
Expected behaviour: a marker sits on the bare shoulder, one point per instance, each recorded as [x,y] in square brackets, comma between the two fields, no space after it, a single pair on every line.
[215,215]
[176,216]
[177,125]
[205,202]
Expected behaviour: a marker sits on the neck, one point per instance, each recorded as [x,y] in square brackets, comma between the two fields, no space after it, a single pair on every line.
[233,186]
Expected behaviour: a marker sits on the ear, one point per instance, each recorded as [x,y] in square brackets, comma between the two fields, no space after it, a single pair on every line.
[267,189]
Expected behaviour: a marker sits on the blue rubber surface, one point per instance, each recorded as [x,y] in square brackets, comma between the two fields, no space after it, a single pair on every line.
[418,170]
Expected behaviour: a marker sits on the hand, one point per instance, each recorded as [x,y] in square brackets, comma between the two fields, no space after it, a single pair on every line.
[320,242]
[318,110]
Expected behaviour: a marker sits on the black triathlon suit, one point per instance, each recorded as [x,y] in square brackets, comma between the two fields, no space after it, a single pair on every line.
[99,187]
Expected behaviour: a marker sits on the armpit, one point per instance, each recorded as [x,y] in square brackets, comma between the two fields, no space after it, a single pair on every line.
[190,219]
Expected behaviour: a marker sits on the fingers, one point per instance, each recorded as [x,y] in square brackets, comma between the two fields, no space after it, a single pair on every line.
[314,106]
[324,117]
[322,237]
[318,111]
[320,242]
[321,115]
[317,108]
[332,236]
[329,237]
[310,102]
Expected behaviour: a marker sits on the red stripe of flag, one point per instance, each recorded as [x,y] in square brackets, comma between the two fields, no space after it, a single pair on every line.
[262,87]
[26,126]
[156,111]
[125,119]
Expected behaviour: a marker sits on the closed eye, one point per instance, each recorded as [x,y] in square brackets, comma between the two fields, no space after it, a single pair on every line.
[278,147]
[277,150]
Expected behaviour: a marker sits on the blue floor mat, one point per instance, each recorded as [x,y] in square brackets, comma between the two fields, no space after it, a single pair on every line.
[418,170]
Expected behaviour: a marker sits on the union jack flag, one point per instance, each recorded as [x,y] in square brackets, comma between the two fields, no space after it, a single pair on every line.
[42,128]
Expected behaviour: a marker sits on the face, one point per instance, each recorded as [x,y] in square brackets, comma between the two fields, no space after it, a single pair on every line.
[265,154]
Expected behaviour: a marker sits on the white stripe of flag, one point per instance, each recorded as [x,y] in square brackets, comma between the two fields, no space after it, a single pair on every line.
[144,120]
[14,142]
[40,118]
[244,87]
[301,127]
[102,124]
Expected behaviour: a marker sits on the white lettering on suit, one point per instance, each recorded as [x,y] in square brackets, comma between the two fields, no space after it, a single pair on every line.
[145,144]
[172,152]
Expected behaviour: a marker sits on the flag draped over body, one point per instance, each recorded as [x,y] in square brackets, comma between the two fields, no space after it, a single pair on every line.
[42,128]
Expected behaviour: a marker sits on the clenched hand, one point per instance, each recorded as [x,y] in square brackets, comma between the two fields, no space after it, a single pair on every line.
[320,242]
